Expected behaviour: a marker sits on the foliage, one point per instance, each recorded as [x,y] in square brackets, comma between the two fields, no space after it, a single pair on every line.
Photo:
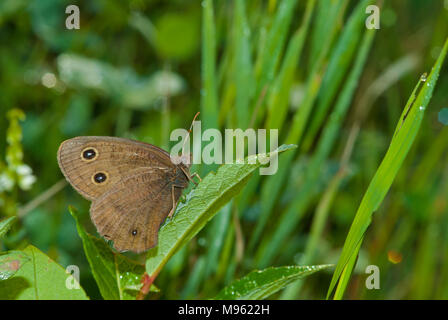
[39,279]
[311,69]
[117,277]
[262,284]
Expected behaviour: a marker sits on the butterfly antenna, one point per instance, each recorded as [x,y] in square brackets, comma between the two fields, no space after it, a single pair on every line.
[189,131]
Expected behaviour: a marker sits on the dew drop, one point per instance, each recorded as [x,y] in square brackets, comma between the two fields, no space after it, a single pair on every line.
[424,77]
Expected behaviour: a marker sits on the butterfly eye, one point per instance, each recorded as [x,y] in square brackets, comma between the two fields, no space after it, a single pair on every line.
[89,154]
[134,232]
[100,177]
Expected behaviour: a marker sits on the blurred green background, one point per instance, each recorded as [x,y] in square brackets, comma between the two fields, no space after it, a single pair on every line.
[139,69]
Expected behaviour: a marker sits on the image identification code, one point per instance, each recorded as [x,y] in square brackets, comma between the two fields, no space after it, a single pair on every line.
[225,309]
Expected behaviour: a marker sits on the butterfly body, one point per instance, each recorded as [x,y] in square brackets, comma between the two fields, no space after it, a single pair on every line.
[133,186]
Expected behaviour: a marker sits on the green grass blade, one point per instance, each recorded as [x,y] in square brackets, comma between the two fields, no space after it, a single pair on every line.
[273,47]
[317,226]
[278,105]
[5,225]
[194,279]
[279,95]
[345,276]
[288,221]
[393,73]
[216,236]
[406,131]
[341,59]
[328,15]
[243,66]
[272,186]
[209,94]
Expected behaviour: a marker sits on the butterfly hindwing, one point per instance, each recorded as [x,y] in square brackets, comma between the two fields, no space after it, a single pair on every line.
[131,212]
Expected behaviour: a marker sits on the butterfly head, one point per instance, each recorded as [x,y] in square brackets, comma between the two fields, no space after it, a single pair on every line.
[185,159]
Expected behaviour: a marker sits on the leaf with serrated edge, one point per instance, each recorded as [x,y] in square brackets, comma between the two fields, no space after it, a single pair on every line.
[263,283]
[203,202]
[117,277]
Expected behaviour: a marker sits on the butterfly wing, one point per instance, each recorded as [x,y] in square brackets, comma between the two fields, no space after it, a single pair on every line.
[131,212]
[93,165]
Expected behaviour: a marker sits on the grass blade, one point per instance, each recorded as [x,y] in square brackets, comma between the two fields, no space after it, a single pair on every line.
[341,58]
[273,46]
[406,131]
[327,16]
[296,209]
[272,186]
[279,95]
[5,225]
[243,65]
[209,96]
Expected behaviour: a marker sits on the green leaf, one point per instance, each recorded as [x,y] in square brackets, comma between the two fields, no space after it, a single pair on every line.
[11,262]
[403,138]
[215,190]
[40,279]
[261,284]
[5,225]
[118,277]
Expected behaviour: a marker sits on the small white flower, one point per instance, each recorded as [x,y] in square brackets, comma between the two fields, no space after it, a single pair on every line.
[27,181]
[49,80]
[6,182]
[24,170]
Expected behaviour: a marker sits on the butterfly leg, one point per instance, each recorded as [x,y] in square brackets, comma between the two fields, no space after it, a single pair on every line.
[174,200]
[195,174]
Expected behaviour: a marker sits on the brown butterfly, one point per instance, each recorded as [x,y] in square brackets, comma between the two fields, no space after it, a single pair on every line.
[133,186]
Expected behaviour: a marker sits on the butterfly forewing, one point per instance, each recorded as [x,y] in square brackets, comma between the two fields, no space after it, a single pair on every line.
[113,160]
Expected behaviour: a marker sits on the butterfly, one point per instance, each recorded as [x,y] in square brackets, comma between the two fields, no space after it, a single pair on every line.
[133,186]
